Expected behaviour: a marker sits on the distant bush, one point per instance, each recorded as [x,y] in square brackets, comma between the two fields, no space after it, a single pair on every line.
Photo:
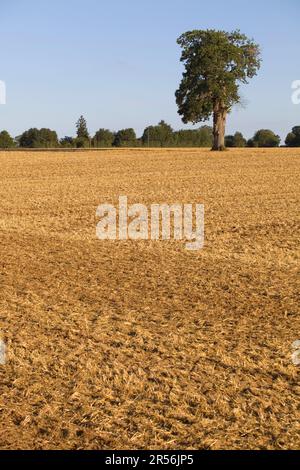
[251,143]
[82,142]
[236,140]
[6,141]
[38,138]
[264,138]
[67,142]
[293,138]
[103,138]
[125,138]
[158,136]
[163,135]
[202,137]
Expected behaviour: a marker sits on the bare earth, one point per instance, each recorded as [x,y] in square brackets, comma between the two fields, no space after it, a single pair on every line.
[145,345]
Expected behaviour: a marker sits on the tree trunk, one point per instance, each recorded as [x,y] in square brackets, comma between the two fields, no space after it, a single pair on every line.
[219,128]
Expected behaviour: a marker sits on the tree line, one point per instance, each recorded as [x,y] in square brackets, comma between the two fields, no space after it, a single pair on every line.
[161,135]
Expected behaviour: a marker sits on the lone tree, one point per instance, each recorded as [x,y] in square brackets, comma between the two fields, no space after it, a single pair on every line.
[216,63]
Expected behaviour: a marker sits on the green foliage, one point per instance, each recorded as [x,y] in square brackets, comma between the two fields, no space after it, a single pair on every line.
[229,141]
[6,141]
[264,138]
[239,140]
[293,138]
[103,138]
[236,140]
[67,142]
[125,138]
[201,137]
[39,138]
[82,130]
[251,143]
[216,62]
[158,136]
[82,142]
[163,135]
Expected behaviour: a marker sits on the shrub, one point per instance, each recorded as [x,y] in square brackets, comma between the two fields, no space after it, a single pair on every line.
[6,141]
[293,138]
[265,138]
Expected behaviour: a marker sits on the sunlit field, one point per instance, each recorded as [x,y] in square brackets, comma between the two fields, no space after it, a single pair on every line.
[143,344]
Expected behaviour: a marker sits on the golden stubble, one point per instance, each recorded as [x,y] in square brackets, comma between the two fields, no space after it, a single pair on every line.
[144,345]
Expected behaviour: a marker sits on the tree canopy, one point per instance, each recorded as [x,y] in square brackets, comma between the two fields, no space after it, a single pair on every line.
[158,136]
[82,130]
[264,138]
[103,138]
[236,140]
[216,63]
[39,138]
[202,137]
[67,142]
[293,138]
[6,141]
[125,138]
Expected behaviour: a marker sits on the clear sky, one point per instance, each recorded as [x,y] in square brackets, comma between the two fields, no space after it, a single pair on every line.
[117,62]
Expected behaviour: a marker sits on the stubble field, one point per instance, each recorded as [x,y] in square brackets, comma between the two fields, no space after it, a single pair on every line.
[145,345]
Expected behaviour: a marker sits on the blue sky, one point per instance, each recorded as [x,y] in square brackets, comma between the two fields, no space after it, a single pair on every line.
[117,62]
